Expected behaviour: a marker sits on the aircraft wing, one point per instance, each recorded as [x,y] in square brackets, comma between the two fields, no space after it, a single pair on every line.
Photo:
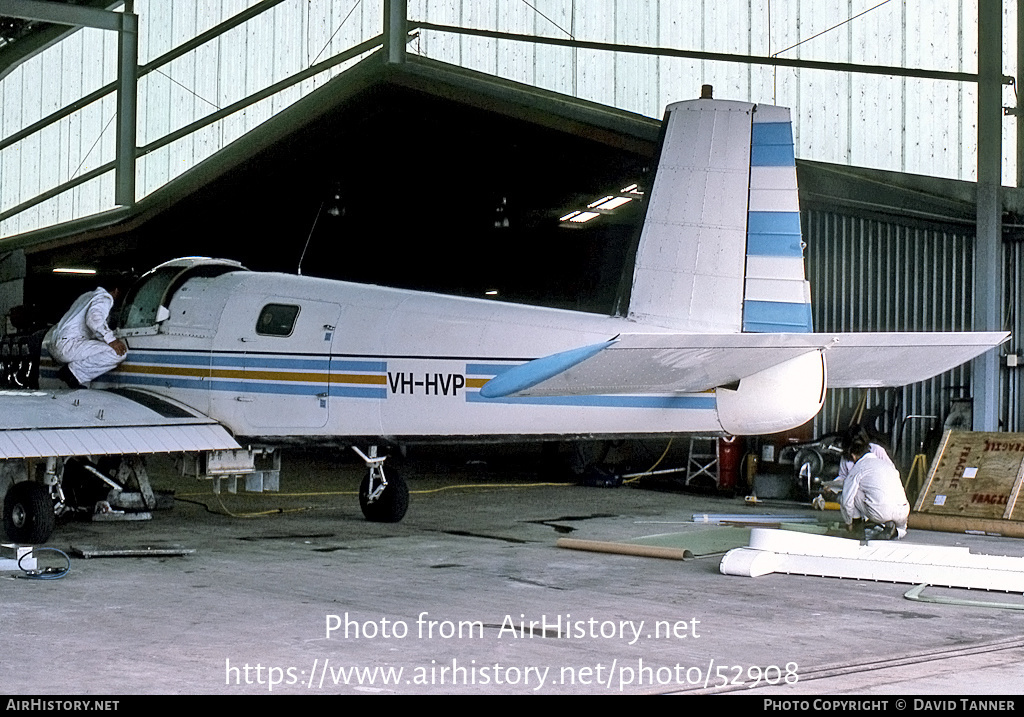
[36,424]
[691,363]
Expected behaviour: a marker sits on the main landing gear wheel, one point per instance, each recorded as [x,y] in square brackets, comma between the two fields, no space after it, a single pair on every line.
[28,513]
[391,503]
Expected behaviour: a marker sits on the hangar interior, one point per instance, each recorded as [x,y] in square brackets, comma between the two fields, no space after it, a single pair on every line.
[425,175]
[402,170]
[466,176]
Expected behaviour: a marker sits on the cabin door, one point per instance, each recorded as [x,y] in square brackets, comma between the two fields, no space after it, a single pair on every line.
[275,363]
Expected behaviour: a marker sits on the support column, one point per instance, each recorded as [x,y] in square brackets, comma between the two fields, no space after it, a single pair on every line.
[988,270]
[1019,109]
[127,88]
[395,31]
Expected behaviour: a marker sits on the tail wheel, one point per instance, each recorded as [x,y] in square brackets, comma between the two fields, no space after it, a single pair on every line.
[28,513]
[390,505]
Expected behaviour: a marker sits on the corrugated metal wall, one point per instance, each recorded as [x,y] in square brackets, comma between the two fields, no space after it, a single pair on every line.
[278,43]
[68,148]
[909,125]
[874,274]
[877,274]
[918,126]
[285,39]
[1013,378]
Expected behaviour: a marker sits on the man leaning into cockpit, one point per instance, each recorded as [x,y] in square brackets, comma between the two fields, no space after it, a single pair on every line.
[82,339]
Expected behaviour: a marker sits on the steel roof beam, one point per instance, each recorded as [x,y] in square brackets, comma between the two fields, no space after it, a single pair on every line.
[714,56]
[126,25]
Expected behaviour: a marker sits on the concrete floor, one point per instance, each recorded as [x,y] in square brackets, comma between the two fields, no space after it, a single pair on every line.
[249,611]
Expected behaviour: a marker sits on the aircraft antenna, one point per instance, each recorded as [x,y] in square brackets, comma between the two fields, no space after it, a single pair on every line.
[298,269]
[334,210]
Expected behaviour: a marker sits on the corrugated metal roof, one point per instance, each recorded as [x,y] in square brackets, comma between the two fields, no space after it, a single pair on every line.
[886,122]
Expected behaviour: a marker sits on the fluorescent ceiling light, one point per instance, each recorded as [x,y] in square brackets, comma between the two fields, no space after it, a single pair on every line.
[603,205]
[64,270]
[611,203]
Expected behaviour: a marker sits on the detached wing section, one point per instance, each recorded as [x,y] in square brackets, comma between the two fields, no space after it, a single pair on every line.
[36,424]
[691,363]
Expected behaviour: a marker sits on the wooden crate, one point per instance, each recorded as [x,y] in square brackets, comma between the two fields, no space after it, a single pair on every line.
[975,475]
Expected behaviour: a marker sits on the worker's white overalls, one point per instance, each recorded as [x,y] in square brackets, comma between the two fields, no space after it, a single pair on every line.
[873,491]
[80,339]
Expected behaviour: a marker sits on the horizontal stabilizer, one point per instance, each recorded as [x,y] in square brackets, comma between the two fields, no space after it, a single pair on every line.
[872,360]
[691,363]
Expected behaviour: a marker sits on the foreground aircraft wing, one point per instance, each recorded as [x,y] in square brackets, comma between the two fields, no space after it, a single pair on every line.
[690,363]
[36,424]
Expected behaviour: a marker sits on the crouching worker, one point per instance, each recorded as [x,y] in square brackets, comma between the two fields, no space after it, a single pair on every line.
[873,493]
[82,339]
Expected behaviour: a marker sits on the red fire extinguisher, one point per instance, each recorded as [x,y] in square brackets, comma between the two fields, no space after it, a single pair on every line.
[729,449]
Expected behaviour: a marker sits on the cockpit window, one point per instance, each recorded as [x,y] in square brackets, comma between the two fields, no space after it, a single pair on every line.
[277,320]
[142,303]
[155,289]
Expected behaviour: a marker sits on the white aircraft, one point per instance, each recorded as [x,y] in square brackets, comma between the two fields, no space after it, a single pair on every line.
[226,363]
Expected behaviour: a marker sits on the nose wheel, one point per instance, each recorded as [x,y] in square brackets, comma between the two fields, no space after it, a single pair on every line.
[382,499]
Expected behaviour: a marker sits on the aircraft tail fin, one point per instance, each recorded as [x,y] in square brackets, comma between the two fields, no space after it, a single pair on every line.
[721,250]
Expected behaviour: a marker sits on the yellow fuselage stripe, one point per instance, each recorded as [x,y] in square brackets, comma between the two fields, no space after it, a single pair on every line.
[376,380]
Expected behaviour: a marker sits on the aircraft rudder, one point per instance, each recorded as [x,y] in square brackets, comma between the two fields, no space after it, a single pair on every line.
[776,294]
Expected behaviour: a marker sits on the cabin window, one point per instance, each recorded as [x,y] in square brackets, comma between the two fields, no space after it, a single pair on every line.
[277,320]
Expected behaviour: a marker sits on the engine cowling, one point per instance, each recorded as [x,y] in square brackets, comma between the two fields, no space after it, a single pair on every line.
[777,399]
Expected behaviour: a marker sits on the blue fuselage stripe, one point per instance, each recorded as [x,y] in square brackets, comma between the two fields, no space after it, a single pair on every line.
[350,365]
[143,359]
[487,369]
[255,361]
[675,402]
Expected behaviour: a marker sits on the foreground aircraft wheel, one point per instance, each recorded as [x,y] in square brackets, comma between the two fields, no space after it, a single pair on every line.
[391,505]
[28,513]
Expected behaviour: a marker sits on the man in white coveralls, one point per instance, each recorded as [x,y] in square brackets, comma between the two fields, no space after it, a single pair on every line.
[873,492]
[835,487]
[845,465]
[82,339]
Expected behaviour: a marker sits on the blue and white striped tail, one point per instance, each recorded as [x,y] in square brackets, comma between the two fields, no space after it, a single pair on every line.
[776,297]
[720,250]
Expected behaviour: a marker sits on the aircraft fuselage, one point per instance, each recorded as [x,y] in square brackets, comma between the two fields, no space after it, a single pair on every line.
[282,357]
